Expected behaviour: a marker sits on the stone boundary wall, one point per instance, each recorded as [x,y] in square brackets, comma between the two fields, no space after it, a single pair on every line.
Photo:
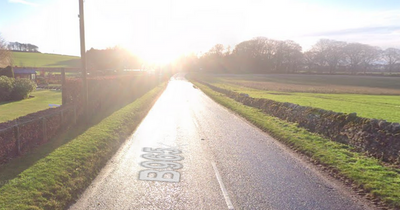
[377,138]
[19,136]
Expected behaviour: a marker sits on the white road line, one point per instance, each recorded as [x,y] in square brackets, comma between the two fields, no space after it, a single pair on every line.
[195,124]
[174,147]
[223,189]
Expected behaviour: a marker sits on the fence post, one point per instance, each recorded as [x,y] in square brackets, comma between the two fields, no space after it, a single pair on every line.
[16,130]
[74,113]
[62,118]
[44,129]
[63,92]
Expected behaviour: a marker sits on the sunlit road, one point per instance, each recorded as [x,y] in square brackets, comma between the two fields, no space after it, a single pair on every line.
[219,161]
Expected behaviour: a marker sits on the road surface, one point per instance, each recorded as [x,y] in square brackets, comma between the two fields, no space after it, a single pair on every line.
[191,153]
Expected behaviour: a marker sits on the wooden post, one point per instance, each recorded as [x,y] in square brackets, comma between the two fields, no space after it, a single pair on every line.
[16,130]
[74,113]
[63,93]
[83,62]
[44,128]
[62,118]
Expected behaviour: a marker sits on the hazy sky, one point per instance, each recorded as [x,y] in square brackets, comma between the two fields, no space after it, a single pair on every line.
[163,29]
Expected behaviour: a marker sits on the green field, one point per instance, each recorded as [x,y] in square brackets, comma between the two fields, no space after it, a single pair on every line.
[44,60]
[378,99]
[41,101]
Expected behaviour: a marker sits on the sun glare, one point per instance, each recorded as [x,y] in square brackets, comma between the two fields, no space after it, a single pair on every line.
[156,54]
[159,57]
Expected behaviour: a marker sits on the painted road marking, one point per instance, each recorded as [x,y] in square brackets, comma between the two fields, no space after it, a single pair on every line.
[223,189]
[174,147]
[195,124]
[161,158]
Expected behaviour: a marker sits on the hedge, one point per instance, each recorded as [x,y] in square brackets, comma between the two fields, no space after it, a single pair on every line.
[106,91]
[8,72]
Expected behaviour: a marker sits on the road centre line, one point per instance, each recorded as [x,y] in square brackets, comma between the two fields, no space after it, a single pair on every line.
[173,147]
[195,124]
[223,189]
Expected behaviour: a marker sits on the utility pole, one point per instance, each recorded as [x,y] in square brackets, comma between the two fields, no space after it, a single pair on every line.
[83,60]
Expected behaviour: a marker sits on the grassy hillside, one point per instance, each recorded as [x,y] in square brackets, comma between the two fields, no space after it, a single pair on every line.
[44,60]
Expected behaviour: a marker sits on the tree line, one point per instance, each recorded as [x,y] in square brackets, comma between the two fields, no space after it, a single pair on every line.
[5,57]
[115,58]
[263,55]
[23,47]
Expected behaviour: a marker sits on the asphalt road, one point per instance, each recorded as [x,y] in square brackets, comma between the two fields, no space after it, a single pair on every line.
[191,153]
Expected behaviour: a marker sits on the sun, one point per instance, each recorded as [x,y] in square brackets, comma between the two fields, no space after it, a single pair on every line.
[159,56]
[158,53]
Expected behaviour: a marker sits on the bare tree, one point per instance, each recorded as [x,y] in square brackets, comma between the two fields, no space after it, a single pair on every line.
[264,55]
[245,55]
[289,56]
[328,54]
[258,55]
[392,58]
[5,55]
[217,50]
[309,61]
[215,59]
[370,55]
[360,56]
[354,56]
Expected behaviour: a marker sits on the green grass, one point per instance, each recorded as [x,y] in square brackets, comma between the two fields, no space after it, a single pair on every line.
[365,105]
[56,180]
[366,173]
[368,106]
[44,60]
[41,101]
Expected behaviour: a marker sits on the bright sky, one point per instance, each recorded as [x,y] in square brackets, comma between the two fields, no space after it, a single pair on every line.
[160,30]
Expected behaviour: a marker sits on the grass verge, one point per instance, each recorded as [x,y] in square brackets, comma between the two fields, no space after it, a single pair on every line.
[367,175]
[56,180]
[15,166]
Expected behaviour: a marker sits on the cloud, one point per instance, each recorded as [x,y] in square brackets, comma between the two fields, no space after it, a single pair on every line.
[363,30]
[381,36]
[22,2]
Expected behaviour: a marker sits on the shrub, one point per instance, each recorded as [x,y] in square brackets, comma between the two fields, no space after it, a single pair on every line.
[22,88]
[6,87]
[41,81]
[8,71]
